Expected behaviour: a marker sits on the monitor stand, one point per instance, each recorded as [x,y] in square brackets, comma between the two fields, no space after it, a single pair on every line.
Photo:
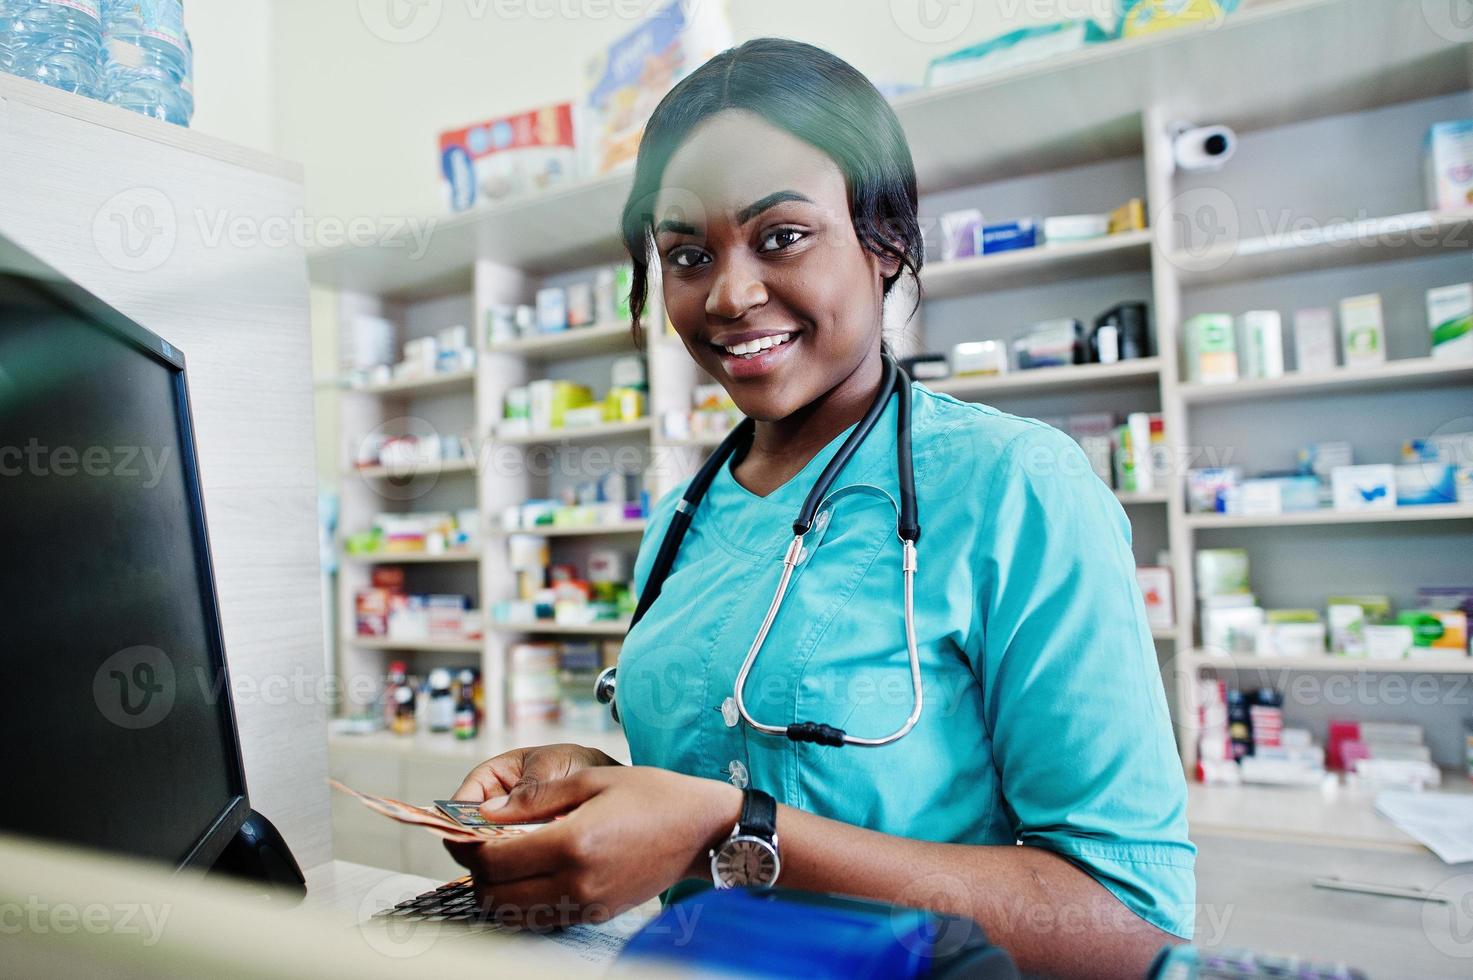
[258,854]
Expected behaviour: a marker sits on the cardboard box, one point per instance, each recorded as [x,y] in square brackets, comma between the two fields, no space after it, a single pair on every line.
[627,80]
[507,157]
[1370,487]
[1211,349]
[1450,320]
[1362,330]
[1448,154]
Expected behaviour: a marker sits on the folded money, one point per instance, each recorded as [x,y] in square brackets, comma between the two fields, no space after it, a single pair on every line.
[469,829]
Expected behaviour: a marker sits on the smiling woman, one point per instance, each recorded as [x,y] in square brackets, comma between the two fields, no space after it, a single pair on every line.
[776,194]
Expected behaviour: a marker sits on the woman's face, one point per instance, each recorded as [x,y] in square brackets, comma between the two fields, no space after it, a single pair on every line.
[757,248]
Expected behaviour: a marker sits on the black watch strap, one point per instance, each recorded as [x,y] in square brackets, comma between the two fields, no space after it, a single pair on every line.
[759,815]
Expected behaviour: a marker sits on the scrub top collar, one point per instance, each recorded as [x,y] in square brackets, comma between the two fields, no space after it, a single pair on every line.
[763,526]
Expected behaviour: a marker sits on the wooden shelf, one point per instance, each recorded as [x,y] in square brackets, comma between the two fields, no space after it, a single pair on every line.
[580,531]
[1418,665]
[424,646]
[402,472]
[587,433]
[1126,252]
[413,557]
[1364,56]
[1148,497]
[433,384]
[1403,373]
[1163,632]
[606,338]
[602,628]
[1401,515]
[1338,245]
[1090,377]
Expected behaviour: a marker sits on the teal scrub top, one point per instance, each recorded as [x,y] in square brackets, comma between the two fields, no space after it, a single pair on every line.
[1044,719]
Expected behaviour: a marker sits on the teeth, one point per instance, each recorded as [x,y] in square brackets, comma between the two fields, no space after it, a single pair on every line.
[753,347]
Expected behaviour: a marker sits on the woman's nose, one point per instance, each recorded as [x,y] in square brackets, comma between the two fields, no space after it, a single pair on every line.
[735,289]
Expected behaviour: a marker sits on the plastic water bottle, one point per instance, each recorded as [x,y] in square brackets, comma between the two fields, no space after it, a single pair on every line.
[57,43]
[7,29]
[146,59]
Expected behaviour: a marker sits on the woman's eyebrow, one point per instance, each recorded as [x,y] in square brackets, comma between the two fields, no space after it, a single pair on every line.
[677,227]
[776,197]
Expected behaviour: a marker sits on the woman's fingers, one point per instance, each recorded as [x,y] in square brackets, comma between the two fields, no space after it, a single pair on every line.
[492,778]
[533,799]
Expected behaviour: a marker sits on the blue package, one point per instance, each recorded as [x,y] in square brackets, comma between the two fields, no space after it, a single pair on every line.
[761,932]
[1009,237]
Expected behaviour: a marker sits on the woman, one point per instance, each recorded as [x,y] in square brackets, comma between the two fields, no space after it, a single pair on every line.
[776,192]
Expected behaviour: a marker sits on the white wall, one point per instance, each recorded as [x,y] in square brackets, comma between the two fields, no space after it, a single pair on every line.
[235,80]
[363,113]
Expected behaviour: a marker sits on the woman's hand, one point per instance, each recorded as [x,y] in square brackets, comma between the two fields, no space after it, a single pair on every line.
[627,833]
[536,764]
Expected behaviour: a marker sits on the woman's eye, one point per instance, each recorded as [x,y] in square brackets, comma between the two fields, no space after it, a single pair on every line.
[780,239]
[686,258]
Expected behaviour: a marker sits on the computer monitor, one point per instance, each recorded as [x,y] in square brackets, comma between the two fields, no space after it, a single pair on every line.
[115,710]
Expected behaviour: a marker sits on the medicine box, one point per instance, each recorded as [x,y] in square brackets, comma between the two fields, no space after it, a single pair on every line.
[1448,152]
[1261,340]
[1155,583]
[1211,349]
[1425,483]
[552,309]
[1362,330]
[1222,571]
[1364,487]
[1314,341]
[507,157]
[1008,237]
[1450,320]
[632,74]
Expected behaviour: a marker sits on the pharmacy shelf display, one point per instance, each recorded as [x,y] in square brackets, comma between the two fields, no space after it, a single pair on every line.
[1370,59]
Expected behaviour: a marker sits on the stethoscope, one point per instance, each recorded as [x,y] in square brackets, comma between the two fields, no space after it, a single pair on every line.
[907,527]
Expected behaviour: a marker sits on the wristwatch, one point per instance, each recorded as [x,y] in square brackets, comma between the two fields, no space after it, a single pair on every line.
[750,855]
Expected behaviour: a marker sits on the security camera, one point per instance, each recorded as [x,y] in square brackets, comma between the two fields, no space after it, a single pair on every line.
[1202,148]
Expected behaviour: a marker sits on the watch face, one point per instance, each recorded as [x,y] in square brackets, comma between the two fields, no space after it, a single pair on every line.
[745,861]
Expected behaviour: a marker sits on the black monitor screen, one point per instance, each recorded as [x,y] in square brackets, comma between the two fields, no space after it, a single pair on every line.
[118,729]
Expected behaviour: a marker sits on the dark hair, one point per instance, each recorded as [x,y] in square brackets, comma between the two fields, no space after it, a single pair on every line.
[815,96]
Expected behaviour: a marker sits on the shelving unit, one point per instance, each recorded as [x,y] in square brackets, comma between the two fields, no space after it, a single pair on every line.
[1412,665]
[1369,60]
[583,433]
[414,557]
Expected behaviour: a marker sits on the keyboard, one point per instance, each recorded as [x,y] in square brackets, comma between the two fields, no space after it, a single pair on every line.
[454,901]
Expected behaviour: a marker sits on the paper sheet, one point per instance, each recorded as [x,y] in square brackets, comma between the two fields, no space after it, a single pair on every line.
[1441,821]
